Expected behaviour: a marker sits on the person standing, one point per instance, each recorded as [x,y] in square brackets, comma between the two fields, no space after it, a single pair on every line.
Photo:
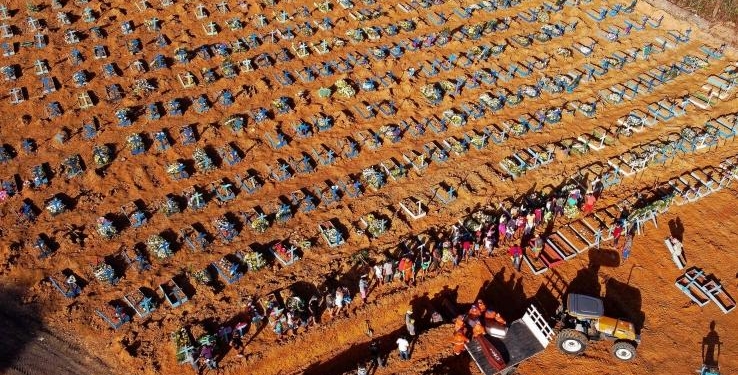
[404,347]
[616,233]
[387,271]
[627,247]
[410,323]
[363,287]
[374,353]
[516,255]
[378,274]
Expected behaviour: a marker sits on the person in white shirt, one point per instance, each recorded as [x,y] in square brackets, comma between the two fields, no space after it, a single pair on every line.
[403,346]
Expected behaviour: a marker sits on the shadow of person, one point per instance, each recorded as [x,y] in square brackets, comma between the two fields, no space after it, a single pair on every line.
[711,346]
[676,228]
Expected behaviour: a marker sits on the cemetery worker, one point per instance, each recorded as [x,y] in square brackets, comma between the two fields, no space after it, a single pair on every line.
[516,255]
[378,273]
[237,344]
[459,324]
[403,346]
[410,322]
[536,245]
[478,329]
[481,305]
[363,287]
[459,341]
[388,272]
[616,233]
[374,354]
[474,312]
[206,354]
[627,247]
[589,202]
[491,316]
[676,251]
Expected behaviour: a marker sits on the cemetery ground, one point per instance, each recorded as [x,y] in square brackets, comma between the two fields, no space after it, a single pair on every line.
[115,160]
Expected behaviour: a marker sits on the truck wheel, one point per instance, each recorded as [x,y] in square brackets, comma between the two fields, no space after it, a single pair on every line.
[623,351]
[571,341]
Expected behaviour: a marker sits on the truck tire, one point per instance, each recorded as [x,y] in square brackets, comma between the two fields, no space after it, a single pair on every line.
[571,341]
[623,351]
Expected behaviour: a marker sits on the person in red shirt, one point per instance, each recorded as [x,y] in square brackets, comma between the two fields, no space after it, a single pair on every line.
[516,255]
[589,202]
[616,233]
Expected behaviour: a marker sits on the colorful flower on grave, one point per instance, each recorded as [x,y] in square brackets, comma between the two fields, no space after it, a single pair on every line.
[259,224]
[514,99]
[543,16]
[542,37]
[170,207]
[478,140]
[688,133]
[406,25]
[432,92]
[254,260]
[355,34]
[522,40]
[102,155]
[571,211]
[202,160]
[530,91]
[588,109]
[563,52]
[454,118]
[105,228]
[202,276]
[55,206]
[512,167]
[159,247]
[103,272]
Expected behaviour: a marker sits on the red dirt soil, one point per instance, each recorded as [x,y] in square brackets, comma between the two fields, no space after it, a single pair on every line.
[641,289]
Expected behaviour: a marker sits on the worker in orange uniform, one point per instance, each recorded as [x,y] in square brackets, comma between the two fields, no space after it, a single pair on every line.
[481,305]
[459,323]
[491,315]
[478,330]
[474,312]
[459,341]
